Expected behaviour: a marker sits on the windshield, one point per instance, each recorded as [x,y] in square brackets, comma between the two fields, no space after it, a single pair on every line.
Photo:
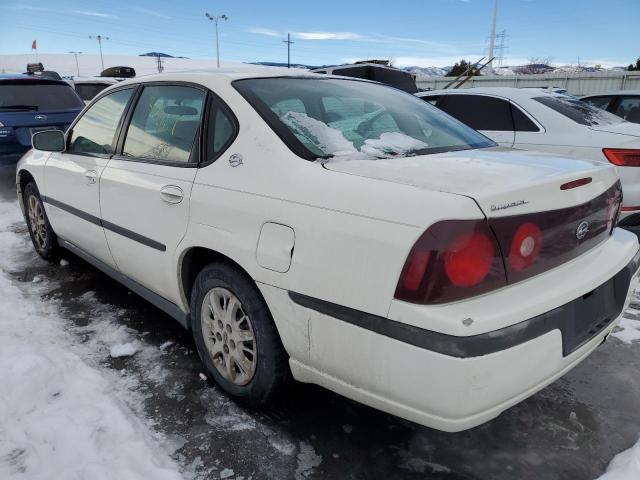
[347,119]
[89,90]
[38,96]
[579,111]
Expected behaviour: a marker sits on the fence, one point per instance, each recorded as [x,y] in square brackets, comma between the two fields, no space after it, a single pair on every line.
[583,83]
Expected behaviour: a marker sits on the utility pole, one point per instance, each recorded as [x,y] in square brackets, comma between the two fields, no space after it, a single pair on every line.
[492,40]
[99,38]
[215,19]
[288,42]
[75,54]
[159,64]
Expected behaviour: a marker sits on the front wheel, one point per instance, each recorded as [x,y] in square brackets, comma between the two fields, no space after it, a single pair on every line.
[235,335]
[42,235]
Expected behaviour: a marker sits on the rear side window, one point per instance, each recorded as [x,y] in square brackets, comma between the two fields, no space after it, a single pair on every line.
[629,109]
[165,123]
[578,111]
[89,90]
[221,131]
[521,122]
[478,111]
[600,102]
[36,96]
[94,132]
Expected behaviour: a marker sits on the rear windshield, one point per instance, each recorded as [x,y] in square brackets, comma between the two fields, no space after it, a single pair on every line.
[329,118]
[89,90]
[578,111]
[37,96]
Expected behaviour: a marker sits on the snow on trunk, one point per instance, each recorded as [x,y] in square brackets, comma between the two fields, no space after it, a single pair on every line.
[59,417]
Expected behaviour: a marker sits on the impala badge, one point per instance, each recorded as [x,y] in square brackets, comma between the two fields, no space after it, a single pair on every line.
[235,160]
[40,117]
[582,230]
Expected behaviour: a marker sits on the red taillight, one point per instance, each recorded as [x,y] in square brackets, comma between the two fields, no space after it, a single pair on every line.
[417,268]
[525,246]
[623,157]
[452,260]
[469,259]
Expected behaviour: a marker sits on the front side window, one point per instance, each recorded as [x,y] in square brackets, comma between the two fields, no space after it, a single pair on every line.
[479,112]
[629,109]
[165,123]
[40,96]
[94,132]
[350,119]
[578,111]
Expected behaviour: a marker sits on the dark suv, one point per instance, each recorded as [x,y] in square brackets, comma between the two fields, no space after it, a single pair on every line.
[29,104]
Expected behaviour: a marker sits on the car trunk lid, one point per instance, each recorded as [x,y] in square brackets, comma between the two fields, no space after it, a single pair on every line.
[503,182]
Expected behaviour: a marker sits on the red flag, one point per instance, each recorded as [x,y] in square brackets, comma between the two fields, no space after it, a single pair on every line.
[34,45]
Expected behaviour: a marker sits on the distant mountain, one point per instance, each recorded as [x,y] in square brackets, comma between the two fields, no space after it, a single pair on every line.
[157,54]
[427,71]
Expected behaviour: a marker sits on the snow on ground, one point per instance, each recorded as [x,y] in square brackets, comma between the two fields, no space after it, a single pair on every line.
[625,466]
[60,416]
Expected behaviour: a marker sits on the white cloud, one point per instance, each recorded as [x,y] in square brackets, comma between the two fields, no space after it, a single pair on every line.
[264,31]
[153,13]
[328,36]
[94,14]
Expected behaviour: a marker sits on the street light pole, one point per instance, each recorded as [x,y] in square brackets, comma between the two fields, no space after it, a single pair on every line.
[99,38]
[75,54]
[215,19]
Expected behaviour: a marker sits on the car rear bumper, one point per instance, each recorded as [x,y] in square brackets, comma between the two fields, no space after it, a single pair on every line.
[449,382]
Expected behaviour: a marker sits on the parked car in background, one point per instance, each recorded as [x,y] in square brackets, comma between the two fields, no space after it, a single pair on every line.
[29,104]
[531,119]
[374,71]
[623,103]
[89,87]
[341,231]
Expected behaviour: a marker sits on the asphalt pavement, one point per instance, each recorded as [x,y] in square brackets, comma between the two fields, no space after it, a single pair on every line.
[569,430]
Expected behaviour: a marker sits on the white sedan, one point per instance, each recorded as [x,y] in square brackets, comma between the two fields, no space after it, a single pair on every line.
[341,232]
[538,120]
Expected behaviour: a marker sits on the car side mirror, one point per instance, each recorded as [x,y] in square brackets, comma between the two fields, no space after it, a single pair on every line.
[49,141]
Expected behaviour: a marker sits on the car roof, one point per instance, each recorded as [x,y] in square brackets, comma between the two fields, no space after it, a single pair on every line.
[613,92]
[18,78]
[506,92]
[226,76]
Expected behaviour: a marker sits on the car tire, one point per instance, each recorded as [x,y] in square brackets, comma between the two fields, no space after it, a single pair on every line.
[42,235]
[236,336]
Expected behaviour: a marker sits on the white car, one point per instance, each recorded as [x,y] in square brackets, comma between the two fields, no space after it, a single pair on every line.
[339,231]
[533,119]
[623,103]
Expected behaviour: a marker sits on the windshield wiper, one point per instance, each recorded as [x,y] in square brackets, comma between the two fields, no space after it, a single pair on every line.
[19,107]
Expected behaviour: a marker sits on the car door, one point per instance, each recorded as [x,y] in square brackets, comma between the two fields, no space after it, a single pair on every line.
[145,190]
[72,177]
[491,116]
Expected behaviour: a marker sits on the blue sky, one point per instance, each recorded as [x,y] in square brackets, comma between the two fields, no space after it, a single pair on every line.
[412,32]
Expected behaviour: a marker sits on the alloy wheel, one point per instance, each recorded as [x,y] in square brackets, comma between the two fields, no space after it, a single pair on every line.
[229,336]
[37,222]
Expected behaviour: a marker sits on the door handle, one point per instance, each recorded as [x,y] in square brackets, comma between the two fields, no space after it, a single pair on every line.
[91,176]
[171,194]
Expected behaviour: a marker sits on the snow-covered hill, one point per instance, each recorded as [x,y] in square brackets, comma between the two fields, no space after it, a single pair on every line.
[65,64]
[428,71]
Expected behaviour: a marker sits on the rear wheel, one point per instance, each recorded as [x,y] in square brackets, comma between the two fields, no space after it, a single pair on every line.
[42,235]
[235,335]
